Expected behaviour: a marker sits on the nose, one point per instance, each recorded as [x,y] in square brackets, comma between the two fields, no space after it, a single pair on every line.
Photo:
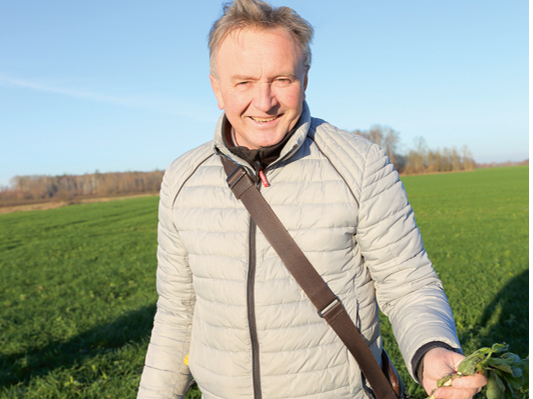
[265,98]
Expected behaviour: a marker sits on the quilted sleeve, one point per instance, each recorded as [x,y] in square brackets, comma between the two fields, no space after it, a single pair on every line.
[407,288]
[165,375]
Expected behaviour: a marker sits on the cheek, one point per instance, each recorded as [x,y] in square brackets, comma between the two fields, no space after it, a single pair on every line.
[293,98]
[235,103]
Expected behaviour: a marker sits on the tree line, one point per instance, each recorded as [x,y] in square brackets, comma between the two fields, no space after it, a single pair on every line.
[67,187]
[420,159]
[40,188]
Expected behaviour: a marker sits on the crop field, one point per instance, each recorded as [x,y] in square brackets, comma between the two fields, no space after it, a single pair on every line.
[475,227]
[78,296]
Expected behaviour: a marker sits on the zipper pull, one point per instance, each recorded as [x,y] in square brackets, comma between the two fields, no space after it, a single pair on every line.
[263,177]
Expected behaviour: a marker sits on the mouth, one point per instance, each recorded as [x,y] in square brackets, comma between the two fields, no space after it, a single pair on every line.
[264,120]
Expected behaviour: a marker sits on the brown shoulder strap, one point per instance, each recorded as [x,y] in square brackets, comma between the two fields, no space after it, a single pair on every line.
[328,305]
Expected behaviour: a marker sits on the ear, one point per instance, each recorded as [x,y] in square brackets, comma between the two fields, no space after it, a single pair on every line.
[215,85]
[305,81]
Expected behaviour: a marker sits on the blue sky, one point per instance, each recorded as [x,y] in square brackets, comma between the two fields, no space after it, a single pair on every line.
[123,85]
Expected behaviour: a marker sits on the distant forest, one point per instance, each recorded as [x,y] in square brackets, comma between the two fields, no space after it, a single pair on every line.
[420,159]
[71,188]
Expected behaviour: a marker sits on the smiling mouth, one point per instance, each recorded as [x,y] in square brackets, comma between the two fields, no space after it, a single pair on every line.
[264,120]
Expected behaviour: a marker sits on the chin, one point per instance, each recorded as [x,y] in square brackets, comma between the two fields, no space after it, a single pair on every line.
[267,142]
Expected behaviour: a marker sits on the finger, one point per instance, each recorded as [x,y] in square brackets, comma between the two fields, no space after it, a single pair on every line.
[454,393]
[475,381]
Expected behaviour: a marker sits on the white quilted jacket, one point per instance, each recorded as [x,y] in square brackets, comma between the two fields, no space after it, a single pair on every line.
[227,301]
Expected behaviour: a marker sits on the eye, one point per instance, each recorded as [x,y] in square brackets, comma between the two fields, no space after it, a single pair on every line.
[283,81]
[243,85]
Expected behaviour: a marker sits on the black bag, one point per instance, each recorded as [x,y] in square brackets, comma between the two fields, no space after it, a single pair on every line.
[392,375]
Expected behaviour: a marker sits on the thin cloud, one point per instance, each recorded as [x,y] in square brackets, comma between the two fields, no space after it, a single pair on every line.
[67,92]
[155,103]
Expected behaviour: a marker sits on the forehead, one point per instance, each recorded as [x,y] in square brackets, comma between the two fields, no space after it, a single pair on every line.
[258,48]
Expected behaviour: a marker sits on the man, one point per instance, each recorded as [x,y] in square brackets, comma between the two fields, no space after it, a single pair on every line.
[229,311]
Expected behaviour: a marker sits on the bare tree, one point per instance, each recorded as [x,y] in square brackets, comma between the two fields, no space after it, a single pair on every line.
[388,139]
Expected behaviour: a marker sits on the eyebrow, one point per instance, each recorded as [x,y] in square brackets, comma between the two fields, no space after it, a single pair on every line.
[245,77]
[242,77]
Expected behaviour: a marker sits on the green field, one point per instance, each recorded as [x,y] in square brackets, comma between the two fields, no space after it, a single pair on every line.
[475,230]
[78,283]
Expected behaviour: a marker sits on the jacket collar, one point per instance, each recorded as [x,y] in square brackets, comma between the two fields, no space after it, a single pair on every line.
[292,145]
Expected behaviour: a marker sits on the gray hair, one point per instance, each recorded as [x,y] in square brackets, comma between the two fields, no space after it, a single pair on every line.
[243,14]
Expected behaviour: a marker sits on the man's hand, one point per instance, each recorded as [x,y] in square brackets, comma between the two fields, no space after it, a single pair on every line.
[438,363]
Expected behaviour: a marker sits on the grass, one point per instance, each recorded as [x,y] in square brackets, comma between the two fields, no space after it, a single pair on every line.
[77,299]
[475,230]
[77,293]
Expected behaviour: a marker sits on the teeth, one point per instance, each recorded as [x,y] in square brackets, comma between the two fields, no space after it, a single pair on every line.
[263,119]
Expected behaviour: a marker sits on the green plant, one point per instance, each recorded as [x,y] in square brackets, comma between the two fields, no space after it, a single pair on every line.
[506,373]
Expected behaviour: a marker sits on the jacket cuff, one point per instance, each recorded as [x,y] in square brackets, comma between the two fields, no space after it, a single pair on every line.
[416,362]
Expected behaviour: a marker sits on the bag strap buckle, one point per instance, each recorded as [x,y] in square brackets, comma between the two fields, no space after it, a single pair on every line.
[235,176]
[336,301]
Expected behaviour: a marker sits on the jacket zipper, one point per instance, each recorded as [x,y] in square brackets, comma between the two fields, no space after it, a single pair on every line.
[250,288]
[250,298]
[251,313]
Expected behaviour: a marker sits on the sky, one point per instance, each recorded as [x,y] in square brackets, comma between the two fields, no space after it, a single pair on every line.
[123,85]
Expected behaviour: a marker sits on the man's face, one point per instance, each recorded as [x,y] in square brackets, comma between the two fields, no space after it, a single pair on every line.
[260,82]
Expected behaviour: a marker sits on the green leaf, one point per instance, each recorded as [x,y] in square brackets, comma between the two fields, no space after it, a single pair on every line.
[499,348]
[510,393]
[516,371]
[502,365]
[495,387]
[443,381]
[506,373]
[469,364]
[515,382]
[511,357]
